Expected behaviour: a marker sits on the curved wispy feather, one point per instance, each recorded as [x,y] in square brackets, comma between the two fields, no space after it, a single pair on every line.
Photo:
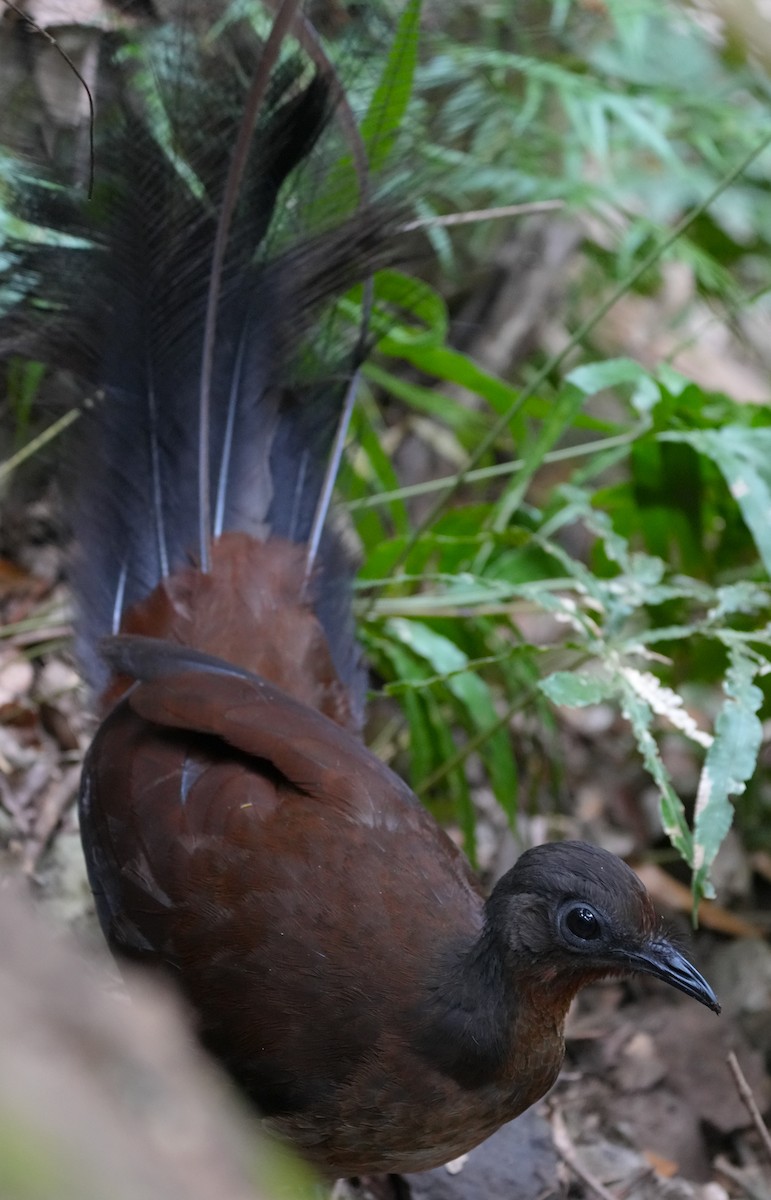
[126,306]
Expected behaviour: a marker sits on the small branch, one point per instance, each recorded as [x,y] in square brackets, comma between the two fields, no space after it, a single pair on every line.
[483,214]
[31,448]
[498,470]
[747,1098]
[749,1188]
[567,1151]
[58,798]
[91,119]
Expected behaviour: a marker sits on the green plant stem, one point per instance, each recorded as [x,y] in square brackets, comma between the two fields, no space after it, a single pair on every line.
[482,474]
[37,443]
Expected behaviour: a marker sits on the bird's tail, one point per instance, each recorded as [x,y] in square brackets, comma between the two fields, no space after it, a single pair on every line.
[202,322]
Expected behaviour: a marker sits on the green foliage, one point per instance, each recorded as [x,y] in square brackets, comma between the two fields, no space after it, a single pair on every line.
[441,605]
[630,112]
[637,117]
[659,139]
[22,386]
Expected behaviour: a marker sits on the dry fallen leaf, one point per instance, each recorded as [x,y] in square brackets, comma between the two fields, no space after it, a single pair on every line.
[16,676]
[662,1166]
[48,14]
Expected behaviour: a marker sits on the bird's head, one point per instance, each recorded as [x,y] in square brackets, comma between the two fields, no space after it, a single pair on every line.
[572,913]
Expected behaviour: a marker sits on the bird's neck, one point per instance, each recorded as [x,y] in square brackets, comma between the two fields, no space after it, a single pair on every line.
[490,1020]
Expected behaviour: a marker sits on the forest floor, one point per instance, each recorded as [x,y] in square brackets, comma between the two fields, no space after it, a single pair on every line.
[101,1095]
[647,1104]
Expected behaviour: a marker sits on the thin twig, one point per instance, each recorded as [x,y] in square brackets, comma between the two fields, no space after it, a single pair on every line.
[749,1187]
[748,1100]
[53,635]
[63,54]
[482,474]
[566,1149]
[476,216]
[53,431]
[59,797]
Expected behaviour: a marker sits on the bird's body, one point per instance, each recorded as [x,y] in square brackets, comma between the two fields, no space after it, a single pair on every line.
[334,944]
[305,901]
[332,940]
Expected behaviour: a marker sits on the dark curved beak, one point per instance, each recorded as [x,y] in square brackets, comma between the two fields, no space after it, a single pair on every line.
[665,962]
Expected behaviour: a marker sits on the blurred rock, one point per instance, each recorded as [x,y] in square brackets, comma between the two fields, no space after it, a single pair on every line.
[518,1162]
[741,974]
[104,1094]
[731,872]
[640,1066]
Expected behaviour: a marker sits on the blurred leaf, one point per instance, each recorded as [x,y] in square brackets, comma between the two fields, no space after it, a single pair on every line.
[638,712]
[730,761]
[744,458]
[381,125]
[450,663]
[597,376]
[575,689]
[431,741]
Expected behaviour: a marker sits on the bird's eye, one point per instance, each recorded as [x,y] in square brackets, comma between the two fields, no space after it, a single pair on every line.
[582,923]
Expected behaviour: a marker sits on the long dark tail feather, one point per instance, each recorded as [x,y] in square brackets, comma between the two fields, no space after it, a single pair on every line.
[136,335]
